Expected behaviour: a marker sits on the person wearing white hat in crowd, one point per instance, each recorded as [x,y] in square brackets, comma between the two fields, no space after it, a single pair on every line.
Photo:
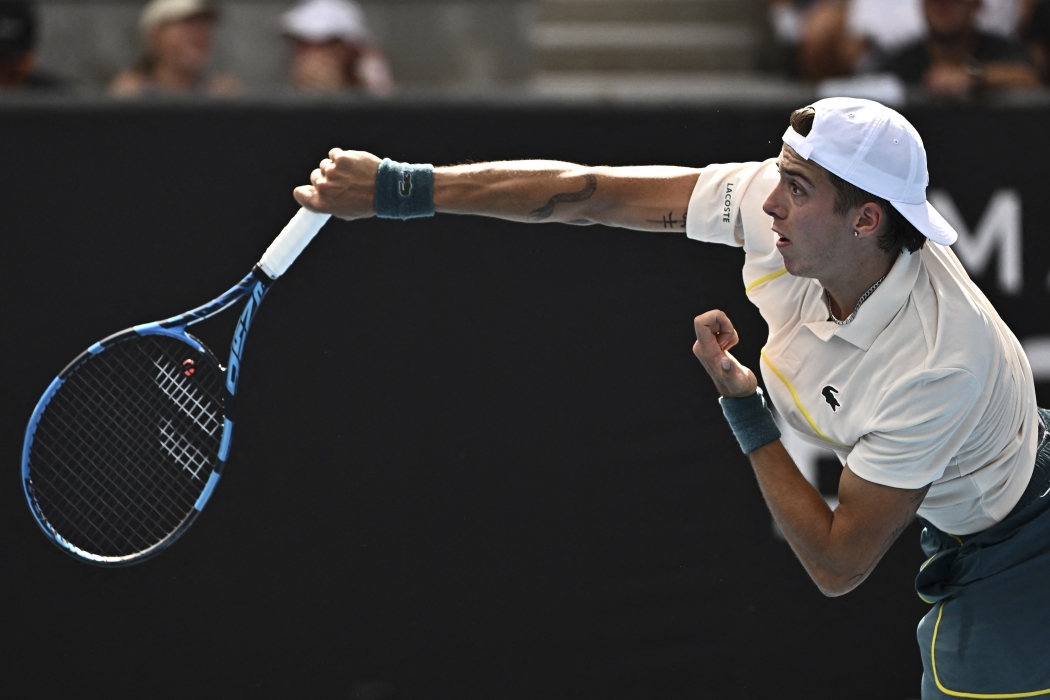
[332,49]
[177,35]
[880,348]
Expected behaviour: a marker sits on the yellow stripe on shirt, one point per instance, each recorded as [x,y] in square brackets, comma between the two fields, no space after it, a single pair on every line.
[763,280]
[798,402]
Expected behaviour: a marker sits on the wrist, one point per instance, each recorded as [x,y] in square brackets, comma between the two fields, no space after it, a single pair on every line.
[750,419]
[403,190]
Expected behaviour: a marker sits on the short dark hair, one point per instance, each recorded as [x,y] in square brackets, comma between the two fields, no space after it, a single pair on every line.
[898,233]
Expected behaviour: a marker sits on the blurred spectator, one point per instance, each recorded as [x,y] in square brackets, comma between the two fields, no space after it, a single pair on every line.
[1036,32]
[841,37]
[957,58]
[178,36]
[831,38]
[332,49]
[18,28]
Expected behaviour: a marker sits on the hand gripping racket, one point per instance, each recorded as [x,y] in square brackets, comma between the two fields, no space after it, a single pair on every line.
[126,445]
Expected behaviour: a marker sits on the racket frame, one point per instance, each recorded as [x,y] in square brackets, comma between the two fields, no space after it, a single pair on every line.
[252,289]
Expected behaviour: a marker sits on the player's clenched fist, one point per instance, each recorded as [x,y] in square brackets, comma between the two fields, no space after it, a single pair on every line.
[343,185]
[714,336]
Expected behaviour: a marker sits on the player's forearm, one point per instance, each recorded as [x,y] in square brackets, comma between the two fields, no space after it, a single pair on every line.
[643,198]
[807,522]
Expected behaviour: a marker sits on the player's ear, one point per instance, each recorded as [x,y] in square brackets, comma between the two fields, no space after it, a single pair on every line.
[867,219]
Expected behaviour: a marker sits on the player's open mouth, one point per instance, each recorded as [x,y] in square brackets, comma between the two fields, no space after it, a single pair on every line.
[782,241]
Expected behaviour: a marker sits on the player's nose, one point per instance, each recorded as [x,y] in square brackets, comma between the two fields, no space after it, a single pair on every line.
[773,206]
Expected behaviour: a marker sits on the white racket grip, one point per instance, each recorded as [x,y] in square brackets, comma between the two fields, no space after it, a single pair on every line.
[291,241]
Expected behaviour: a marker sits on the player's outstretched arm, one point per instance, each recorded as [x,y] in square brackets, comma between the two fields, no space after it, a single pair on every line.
[646,198]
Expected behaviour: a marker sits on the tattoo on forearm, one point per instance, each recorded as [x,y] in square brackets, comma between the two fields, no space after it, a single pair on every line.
[916,501]
[668,221]
[547,209]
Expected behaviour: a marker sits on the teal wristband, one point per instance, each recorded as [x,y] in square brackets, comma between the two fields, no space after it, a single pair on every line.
[751,421]
[404,191]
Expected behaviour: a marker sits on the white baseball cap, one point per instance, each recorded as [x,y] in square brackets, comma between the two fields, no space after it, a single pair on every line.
[873,147]
[318,21]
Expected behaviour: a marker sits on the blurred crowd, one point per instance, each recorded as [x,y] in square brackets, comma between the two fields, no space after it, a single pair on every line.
[946,48]
[331,51]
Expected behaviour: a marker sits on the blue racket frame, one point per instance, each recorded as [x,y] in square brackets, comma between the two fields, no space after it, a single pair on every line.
[252,289]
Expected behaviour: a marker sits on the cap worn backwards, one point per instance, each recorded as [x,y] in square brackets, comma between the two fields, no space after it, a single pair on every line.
[873,147]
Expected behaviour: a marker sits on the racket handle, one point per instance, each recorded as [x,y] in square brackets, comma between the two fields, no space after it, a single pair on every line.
[291,241]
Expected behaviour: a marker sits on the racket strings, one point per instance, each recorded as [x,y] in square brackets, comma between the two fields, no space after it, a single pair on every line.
[129,444]
[90,492]
[93,490]
[126,484]
[125,447]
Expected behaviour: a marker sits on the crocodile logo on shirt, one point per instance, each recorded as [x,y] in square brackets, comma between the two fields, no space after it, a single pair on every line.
[829,396]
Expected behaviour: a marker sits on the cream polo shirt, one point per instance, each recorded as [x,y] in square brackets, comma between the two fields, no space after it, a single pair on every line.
[925,385]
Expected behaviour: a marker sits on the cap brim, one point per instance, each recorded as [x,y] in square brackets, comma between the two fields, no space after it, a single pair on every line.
[929,222]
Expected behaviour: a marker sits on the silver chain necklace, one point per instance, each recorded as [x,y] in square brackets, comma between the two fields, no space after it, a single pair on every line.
[831,314]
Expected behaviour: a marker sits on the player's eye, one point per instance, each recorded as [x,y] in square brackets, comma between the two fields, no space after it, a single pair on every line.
[795,189]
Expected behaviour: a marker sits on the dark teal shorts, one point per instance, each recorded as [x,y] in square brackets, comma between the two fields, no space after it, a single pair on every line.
[988,633]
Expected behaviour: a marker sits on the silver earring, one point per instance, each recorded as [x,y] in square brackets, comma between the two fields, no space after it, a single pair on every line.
[856,234]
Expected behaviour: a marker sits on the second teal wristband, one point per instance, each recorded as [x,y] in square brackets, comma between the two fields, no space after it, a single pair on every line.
[752,423]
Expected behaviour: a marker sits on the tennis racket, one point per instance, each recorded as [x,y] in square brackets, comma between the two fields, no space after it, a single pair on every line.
[127,444]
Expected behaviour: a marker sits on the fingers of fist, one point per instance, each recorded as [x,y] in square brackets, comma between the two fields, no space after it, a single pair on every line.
[714,329]
[342,184]
[715,335]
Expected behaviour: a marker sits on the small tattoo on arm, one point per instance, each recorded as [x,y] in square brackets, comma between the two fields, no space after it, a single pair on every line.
[668,221]
[547,209]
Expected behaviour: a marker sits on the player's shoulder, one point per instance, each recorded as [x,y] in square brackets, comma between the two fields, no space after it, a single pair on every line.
[960,326]
[744,171]
[724,200]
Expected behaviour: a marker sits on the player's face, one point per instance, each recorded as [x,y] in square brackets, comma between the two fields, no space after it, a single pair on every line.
[812,238]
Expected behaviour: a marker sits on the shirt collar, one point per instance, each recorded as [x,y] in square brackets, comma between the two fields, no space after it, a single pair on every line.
[878,309]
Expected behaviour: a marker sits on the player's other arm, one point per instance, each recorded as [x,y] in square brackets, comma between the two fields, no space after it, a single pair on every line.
[838,548]
[647,198]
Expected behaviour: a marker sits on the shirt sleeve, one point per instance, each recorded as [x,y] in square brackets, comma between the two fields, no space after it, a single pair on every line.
[917,433]
[715,207]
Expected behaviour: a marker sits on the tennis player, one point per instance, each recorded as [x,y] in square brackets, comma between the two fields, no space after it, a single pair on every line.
[880,348]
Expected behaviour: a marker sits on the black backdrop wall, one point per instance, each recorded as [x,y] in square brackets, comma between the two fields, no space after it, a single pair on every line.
[474,459]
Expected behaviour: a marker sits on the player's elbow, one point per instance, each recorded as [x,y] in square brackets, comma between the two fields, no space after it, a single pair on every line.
[834,584]
[835,591]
